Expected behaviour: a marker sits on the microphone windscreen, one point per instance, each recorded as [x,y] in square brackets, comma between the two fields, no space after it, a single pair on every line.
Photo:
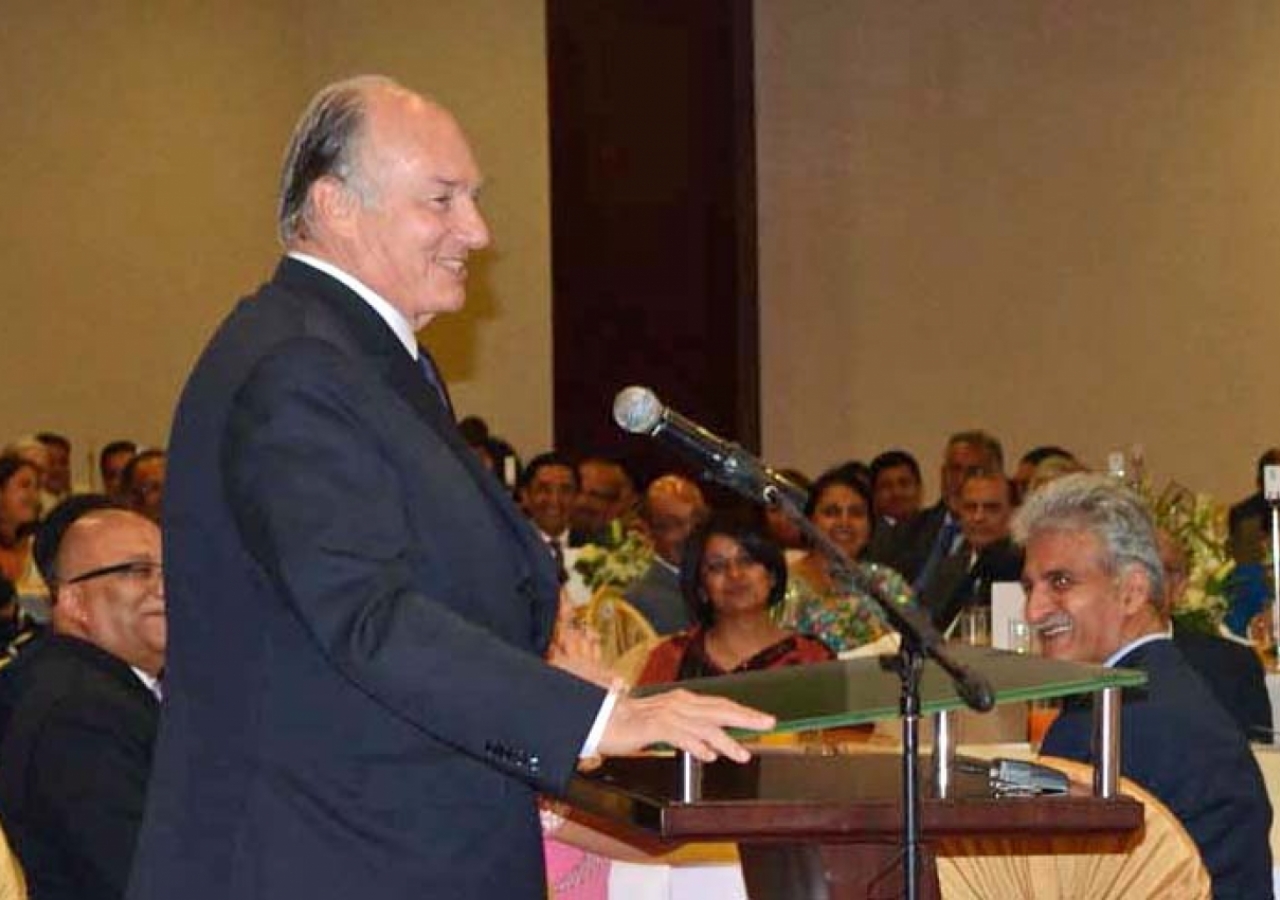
[637,410]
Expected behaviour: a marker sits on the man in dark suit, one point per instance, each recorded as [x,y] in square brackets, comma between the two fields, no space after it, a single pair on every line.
[355,703]
[607,494]
[79,708]
[917,546]
[986,555]
[1233,671]
[1094,594]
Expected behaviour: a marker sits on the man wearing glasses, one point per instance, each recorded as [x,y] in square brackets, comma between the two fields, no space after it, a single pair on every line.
[79,709]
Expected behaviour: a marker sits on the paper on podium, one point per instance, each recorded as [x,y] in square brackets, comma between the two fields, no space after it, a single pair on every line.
[1008,602]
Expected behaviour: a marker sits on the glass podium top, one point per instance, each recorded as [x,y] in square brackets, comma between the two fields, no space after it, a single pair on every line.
[856,691]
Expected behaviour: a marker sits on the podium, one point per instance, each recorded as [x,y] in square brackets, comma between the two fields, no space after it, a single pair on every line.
[829,826]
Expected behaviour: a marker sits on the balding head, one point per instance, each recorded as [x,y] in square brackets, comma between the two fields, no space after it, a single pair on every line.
[110,590]
[673,508]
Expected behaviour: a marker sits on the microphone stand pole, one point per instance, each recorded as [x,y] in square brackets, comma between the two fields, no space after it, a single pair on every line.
[920,640]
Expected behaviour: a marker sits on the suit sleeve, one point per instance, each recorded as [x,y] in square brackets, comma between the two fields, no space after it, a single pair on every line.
[320,505]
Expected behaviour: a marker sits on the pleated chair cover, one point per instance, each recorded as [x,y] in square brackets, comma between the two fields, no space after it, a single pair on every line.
[1159,862]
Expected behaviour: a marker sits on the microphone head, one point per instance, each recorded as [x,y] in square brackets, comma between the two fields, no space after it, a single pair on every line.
[637,410]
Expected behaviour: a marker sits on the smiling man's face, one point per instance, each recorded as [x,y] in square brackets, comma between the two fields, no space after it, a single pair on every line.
[1079,608]
[410,238]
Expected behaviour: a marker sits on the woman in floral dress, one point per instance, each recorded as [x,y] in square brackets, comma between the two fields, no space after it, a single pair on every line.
[843,616]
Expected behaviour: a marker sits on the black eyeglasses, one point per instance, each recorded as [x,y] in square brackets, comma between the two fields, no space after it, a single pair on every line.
[141,570]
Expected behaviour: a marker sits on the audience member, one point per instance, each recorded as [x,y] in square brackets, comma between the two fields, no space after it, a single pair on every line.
[1028,462]
[915,547]
[548,487]
[80,708]
[29,448]
[56,479]
[673,507]
[1095,590]
[142,483]
[818,600]
[987,553]
[606,493]
[111,462]
[896,487]
[1249,521]
[496,454]
[1232,670]
[730,577]
[19,512]
[1052,468]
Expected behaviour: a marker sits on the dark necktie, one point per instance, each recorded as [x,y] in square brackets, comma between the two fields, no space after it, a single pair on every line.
[432,375]
[557,551]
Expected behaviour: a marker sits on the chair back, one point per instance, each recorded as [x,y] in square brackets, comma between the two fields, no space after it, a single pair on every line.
[619,625]
[13,884]
[1158,862]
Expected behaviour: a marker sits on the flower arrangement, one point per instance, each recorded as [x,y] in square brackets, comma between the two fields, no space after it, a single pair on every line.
[621,558]
[1199,524]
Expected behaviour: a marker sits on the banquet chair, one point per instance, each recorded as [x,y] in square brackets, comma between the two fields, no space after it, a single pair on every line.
[619,625]
[1158,861]
[13,884]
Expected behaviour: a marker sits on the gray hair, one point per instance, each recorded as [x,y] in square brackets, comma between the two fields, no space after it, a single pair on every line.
[988,442]
[1103,507]
[326,141]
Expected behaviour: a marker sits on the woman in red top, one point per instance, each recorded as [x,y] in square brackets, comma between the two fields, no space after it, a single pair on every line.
[730,577]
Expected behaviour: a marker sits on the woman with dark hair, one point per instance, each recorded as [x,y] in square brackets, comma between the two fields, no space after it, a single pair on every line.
[731,576]
[843,616]
[19,509]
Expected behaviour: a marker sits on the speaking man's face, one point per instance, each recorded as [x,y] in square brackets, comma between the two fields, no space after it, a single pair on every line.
[411,240]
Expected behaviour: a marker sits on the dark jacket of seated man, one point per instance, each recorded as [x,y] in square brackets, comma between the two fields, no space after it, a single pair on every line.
[1180,744]
[964,580]
[74,758]
[1235,675]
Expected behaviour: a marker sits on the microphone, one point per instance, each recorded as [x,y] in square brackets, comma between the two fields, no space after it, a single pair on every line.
[639,411]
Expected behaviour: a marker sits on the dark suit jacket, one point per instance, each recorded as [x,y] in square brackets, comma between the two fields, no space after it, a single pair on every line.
[956,584]
[78,727]
[1234,674]
[905,547]
[657,595]
[1178,743]
[355,702]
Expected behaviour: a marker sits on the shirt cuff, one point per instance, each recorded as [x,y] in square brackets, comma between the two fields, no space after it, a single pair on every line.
[594,736]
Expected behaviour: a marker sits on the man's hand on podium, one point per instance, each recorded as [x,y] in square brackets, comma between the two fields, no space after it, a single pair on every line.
[687,721]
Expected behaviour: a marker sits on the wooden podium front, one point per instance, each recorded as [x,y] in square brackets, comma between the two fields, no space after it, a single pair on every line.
[829,827]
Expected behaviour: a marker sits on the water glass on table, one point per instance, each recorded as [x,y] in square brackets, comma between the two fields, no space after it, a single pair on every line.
[975,626]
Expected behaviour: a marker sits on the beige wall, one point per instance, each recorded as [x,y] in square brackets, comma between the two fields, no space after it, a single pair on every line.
[139,163]
[1057,220]
[1060,221]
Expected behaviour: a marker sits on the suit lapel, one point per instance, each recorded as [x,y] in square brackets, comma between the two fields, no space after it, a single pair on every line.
[372,338]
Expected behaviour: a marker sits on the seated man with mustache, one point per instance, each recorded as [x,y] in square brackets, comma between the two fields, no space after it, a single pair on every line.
[1095,585]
